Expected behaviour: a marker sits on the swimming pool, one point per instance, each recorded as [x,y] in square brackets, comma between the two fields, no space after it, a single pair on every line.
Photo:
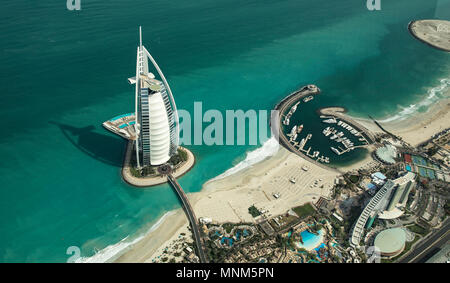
[225,240]
[121,116]
[311,240]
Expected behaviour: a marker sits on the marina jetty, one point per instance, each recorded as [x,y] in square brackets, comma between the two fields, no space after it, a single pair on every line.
[339,112]
[290,102]
[435,33]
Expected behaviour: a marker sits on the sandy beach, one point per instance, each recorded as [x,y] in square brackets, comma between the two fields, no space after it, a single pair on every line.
[422,126]
[227,199]
[418,127]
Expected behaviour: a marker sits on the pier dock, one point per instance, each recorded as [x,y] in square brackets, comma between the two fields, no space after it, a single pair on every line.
[309,90]
[338,112]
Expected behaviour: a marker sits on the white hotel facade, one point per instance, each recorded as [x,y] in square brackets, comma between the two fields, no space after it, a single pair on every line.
[156,118]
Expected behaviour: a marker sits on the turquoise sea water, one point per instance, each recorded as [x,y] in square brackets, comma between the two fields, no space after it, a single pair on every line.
[63,73]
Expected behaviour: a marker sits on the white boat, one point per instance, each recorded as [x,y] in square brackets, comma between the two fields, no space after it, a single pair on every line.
[330,121]
[302,143]
[293,109]
[309,98]
[335,151]
[299,129]
[326,132]
[293,130]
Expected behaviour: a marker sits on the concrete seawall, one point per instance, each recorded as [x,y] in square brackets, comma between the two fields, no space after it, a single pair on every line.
[178,171]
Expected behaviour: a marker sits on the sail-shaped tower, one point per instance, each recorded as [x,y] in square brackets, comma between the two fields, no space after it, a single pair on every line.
[156,118]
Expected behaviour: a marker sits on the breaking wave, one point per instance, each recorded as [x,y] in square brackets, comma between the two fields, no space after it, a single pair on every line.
[112,252]
[434,94]
[269,148]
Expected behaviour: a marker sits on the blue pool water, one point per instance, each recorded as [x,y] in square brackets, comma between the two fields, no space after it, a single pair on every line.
[229,240]
[238,235]
[121,116]
[310,240]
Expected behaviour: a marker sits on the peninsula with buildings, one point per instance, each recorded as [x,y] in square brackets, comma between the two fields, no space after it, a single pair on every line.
[292,208]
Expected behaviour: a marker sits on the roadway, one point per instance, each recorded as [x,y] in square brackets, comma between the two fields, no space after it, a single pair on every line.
[423,249]
[192,218]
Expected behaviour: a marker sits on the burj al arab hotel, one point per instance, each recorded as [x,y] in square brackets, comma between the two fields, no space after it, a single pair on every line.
[154,124]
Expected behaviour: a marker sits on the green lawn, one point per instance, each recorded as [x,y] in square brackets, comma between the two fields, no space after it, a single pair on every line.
[304,211]
[354,179]
[254,211]
[418,229]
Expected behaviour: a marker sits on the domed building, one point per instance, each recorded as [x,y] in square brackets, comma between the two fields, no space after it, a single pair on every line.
[386,154]
[391,242]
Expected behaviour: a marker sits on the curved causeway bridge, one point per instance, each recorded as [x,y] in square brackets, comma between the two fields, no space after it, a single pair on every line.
[192,218]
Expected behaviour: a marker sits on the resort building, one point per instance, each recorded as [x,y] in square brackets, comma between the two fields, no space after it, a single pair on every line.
[156,114]
[398,198]
[370,211]
[388,203]
[154,125]
[378,178]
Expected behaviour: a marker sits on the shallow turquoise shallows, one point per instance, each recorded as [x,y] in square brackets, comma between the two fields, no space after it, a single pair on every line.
[62,73]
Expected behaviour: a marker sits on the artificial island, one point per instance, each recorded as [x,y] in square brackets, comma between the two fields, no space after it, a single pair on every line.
[152,131]
[435,33]
[153,155]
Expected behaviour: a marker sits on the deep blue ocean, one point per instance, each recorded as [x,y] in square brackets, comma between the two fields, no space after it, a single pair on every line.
[62,73]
